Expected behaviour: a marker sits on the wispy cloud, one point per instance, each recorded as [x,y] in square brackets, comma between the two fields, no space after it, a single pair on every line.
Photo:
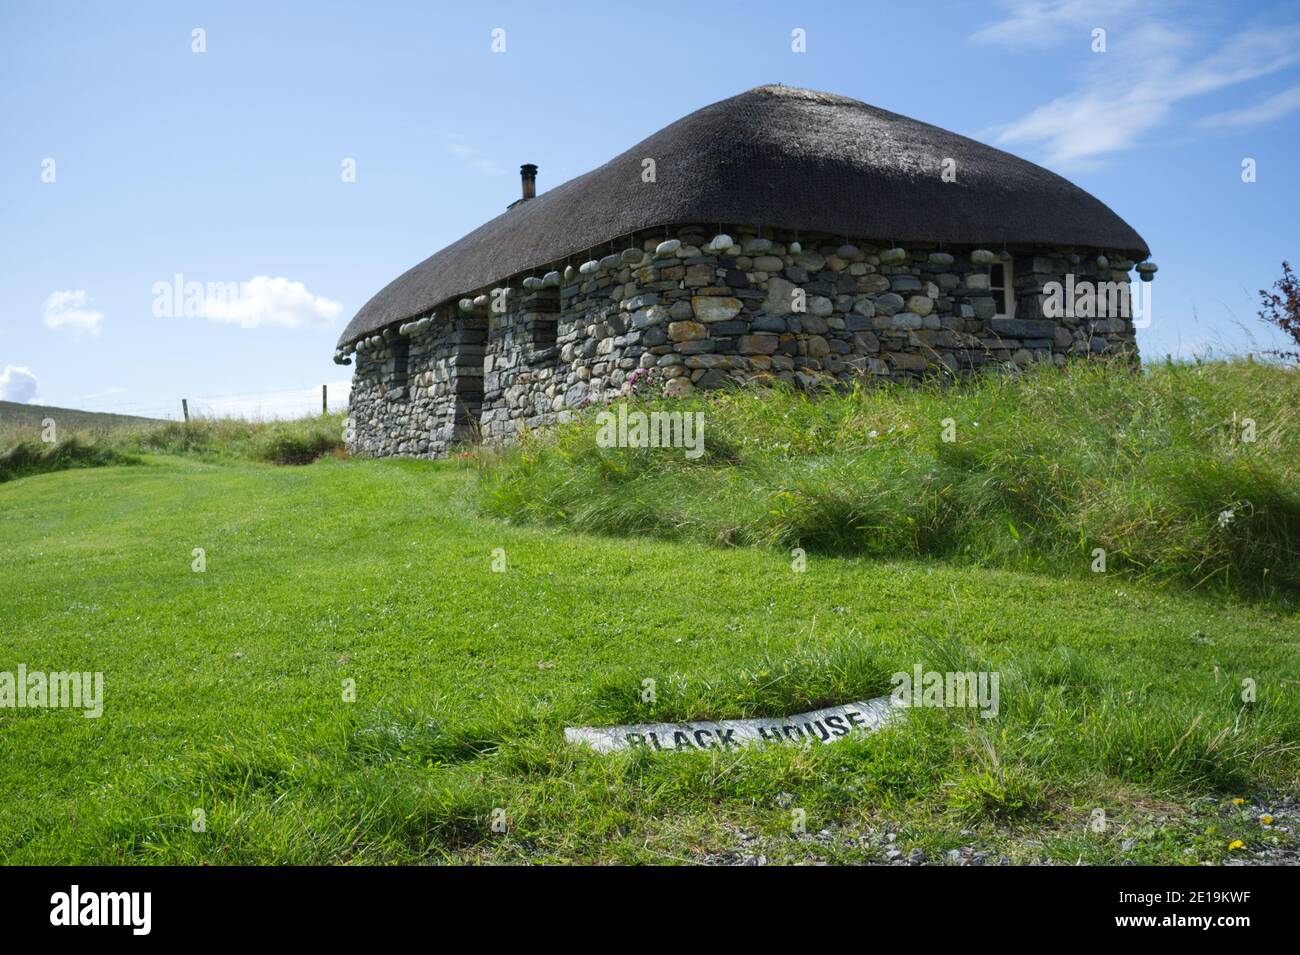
[1275,107]
[17,384]
[455,144]
[106,393]
[1045,23]
[69,310]
[1149,68]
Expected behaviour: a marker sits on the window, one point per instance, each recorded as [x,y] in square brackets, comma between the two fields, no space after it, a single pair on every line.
[1002,289]
[544,333]
[401,361]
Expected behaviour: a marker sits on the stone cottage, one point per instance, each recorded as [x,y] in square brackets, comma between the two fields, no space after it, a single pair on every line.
[779,234]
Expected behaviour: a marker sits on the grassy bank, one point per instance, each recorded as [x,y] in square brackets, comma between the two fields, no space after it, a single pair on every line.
[1185,473]
[16,416]
[23,451]
[31,457]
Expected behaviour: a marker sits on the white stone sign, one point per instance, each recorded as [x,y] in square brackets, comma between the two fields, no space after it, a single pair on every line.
[820,726]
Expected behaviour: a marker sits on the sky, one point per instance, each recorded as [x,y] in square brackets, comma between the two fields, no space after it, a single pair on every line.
[312,152]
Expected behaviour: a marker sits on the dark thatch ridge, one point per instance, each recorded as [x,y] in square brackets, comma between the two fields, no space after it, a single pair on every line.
[779,157]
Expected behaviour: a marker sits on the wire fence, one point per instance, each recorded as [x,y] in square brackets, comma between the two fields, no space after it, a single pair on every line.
[253,406]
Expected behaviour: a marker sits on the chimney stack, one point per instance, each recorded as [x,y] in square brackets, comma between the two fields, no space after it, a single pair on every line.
[528,179]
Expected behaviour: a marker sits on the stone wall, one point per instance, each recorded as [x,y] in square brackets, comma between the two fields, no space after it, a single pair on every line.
[523,363]
[699,309]
[437,403]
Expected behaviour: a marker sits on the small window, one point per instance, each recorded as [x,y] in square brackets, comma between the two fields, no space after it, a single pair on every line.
[544,333]
[1002,289]
[401,362]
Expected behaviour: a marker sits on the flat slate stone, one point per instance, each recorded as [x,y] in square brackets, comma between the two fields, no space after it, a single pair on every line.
[1023,328]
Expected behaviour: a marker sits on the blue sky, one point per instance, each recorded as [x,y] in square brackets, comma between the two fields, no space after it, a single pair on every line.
[226,165]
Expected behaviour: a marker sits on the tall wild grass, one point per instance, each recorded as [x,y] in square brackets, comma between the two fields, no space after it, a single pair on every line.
[1187,472]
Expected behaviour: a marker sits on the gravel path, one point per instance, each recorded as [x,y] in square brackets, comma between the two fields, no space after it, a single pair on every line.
[1278,843]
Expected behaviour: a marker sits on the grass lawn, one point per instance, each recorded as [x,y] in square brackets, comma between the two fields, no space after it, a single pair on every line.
[224,690]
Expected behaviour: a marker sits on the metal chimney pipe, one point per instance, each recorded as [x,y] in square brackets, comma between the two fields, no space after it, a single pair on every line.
[528,179]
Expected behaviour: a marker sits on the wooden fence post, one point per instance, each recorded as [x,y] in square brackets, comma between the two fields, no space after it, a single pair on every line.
[324,399]
[185,409]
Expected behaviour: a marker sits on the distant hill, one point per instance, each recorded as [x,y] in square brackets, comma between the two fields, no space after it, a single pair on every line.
[13,415]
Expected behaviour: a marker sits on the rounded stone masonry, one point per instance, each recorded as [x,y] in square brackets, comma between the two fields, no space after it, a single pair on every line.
[823,316]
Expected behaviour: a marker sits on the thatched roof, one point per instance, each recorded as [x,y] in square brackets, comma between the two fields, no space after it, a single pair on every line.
[780,157]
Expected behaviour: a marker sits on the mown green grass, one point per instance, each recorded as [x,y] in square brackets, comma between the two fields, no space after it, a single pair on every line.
[224,690]
[1186,474]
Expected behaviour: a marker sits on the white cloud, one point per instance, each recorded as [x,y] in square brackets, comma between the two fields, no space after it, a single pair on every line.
[267,301]
[69,310]
[17,384]
[471,155]
[1149,68]
[1275,107]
